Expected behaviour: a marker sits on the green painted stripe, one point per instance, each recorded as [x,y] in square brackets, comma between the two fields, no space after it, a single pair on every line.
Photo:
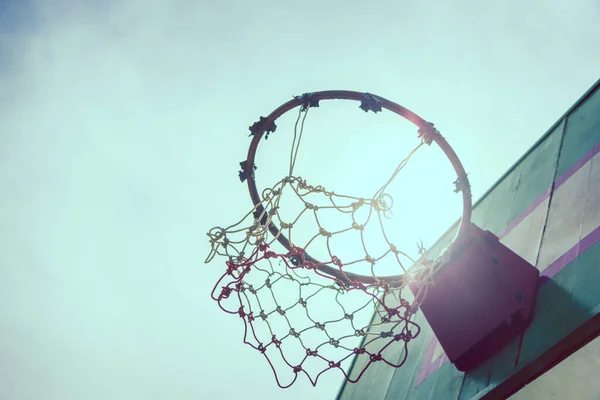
[582,132]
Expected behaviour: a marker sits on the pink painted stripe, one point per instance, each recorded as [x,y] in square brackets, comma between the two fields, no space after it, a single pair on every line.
[577,166]
[572,253]
[437,364]
[557,183]
[512,224]
[425,371]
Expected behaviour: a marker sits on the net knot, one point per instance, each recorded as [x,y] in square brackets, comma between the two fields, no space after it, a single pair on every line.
[357,226]
[216,234]
[296,251]
[270,254]
[241,312]
[231,268]
[392,311]
[297,369]
[375,357]
[324,232]
[225,292]
[276,341]
[337,262]
[312,353]
[381,204]
[261,348]
[357,204]
[359,350]
[309,265]
[334,364]
[360,332]
[311,206]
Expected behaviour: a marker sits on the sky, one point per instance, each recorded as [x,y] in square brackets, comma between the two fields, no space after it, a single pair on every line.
[122,124]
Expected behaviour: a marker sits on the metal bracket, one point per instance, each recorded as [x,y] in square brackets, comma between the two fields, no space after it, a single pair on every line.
[244,173]
[308,100]
[256,214]
[263,125]
[370,102]
[428,133]
[460,185]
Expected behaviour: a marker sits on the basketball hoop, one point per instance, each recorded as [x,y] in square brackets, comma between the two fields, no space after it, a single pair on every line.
[255,267]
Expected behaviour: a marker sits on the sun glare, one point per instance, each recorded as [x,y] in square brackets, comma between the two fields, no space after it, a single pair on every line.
[354,155]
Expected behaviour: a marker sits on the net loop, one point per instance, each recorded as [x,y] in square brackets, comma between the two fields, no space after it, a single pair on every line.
[250,288]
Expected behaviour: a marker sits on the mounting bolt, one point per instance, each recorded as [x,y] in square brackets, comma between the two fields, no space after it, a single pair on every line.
[519,297]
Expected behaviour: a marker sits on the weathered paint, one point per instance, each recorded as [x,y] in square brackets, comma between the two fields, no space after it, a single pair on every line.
[547,209]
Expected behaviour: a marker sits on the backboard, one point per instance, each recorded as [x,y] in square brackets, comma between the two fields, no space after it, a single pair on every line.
[546,208]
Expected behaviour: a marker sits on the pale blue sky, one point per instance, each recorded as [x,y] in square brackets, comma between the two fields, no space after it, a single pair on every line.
[121,127]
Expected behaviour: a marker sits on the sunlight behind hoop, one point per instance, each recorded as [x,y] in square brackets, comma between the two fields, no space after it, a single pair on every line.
[354,153]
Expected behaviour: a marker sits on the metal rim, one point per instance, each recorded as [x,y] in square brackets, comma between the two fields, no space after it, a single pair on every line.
[369,102]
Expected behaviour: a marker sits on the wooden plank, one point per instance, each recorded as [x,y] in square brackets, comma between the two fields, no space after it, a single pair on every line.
[500,202]
[536,175]
[563,228]
[574,341]
[586,277]
[476,380]
[582,132]
[447,383]
[554,304]
[573,378]
[529,182]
